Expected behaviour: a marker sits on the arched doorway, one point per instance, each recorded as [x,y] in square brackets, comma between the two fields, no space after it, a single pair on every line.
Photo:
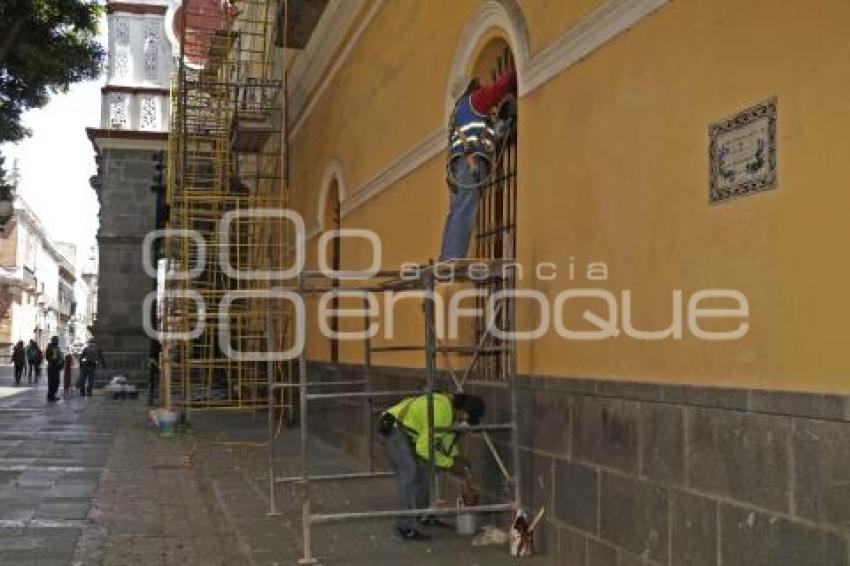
[332,220]
[495,235]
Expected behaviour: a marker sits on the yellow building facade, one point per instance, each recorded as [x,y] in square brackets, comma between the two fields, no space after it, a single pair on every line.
[616,99]
[615,102]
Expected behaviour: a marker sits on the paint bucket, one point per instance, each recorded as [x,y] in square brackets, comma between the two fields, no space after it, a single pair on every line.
[166,421]
[467,523]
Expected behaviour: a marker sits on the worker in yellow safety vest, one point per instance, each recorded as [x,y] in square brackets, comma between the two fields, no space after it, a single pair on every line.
[404,428]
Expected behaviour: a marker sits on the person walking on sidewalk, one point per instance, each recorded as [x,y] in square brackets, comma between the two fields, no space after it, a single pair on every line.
[19,359]
[472,145]
[66,377]
[30,367]
[404,428]
[55,363]
[90,357]
[34,357]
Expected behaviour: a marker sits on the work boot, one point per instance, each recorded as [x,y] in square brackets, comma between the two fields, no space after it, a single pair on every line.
[410,534]
[433,521]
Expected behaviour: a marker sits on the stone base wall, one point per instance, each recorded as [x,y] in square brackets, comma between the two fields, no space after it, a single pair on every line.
[643,474]
[127,214]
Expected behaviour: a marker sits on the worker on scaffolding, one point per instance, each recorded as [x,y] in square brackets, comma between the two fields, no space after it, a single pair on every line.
[471,151]
[404,428]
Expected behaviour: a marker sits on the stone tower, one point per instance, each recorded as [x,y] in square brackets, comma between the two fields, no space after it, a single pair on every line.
[133,127]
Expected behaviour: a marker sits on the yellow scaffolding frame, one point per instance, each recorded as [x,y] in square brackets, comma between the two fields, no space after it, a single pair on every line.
[225,161]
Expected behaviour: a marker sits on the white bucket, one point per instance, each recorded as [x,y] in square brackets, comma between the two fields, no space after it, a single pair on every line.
[466,523]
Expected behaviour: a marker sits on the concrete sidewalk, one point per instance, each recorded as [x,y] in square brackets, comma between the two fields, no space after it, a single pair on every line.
[88,481]
[152,508]
[230,460]
[202,498]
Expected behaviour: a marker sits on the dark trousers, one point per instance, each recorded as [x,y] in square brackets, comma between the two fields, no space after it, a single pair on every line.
[411,475]
[19,371]
[35,371]
[52,382]
[86,383]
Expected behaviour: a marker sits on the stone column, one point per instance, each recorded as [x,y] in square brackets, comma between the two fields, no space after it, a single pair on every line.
[127,214]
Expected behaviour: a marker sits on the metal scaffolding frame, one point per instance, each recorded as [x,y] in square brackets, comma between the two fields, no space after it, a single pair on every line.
[501,278]
[491,360]
[226,160]
[227,155]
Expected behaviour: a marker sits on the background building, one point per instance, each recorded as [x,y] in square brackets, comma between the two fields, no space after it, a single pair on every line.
[66,299]
[78,288]
[134,121]
[38,282]
[85,291]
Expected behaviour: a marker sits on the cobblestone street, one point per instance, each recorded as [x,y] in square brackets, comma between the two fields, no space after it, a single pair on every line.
[51,460]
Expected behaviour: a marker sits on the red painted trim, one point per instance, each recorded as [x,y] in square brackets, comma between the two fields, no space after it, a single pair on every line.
[128,8]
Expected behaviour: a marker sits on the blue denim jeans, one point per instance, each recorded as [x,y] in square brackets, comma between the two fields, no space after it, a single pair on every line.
[411,476]
[463,207]
[86,382]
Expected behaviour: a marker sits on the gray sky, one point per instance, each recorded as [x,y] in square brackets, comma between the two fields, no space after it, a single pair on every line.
[56,163]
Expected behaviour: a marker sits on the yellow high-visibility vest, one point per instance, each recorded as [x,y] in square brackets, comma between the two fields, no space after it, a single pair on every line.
[412,414]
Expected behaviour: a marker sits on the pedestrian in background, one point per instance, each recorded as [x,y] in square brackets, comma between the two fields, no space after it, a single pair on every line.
[55,363]
[19,358]
[30,365]
[153,379]
[66,379]
[34,357]
[90,358]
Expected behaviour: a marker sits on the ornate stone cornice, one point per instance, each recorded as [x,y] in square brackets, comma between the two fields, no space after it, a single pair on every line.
[604,24]
[104,138]
[135,90]
[314,69]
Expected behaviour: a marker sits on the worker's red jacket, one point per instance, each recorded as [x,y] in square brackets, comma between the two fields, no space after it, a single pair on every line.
[486,97]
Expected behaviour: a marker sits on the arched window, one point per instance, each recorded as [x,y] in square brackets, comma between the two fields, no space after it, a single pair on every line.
[332,220]
[495,230]
[329,217]
[493,41]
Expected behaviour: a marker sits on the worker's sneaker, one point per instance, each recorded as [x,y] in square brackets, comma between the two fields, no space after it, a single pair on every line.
[432,521]
[410,534]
